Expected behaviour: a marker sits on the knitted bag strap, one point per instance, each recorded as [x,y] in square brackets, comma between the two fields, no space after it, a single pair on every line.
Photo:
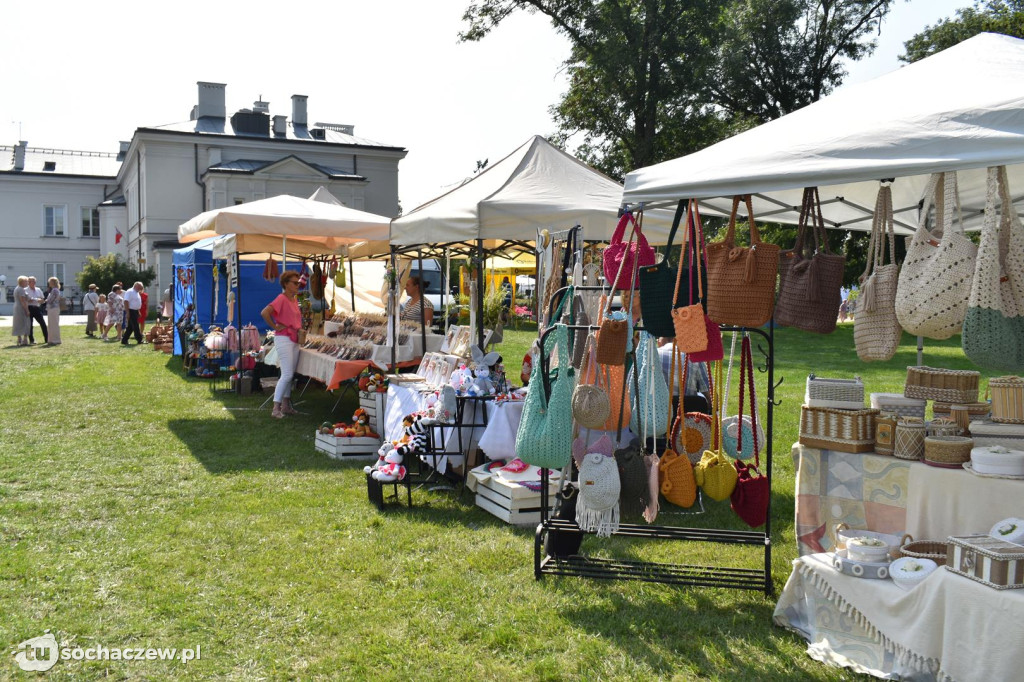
[695,250]
[682,258]
[747,372]
[728,376]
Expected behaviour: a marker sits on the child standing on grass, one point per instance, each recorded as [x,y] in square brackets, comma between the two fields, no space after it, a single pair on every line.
[101,315]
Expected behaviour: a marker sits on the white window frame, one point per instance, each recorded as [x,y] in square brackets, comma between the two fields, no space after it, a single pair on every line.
[62,231]
[90,217]
[53,270]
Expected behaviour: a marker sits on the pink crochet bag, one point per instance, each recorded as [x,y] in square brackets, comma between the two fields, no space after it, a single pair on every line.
[620,256]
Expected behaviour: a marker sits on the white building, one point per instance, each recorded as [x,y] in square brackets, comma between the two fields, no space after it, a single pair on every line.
[51,200]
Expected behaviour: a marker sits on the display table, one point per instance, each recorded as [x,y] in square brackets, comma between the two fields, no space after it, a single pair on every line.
[891,495]
[328,369]
[946,628]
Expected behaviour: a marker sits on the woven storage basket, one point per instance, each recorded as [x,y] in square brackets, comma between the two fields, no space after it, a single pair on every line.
[946,385]
[948,449]
[925,549]
[975,410]
[910,437]
[842,430]
[942,426]
[844,394]
[899,404]
[1007,399]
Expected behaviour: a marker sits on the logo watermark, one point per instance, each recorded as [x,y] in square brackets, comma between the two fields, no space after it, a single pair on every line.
[39,654]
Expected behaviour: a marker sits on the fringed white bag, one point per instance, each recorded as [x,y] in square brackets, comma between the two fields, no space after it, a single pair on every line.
[935,282]
[597,504]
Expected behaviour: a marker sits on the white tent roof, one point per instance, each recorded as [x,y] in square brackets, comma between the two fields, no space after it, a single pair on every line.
[536,186]
[962,108]
[289,216]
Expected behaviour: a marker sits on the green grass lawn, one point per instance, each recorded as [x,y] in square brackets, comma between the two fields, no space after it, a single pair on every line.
[140,509]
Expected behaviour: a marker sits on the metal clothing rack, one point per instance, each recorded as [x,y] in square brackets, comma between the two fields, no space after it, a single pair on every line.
[675,574]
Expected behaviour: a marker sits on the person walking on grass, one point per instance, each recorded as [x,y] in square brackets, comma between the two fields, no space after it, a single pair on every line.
[35,309]
[101,315]
[115,310]
[89,302]
[282,315]
[133,304]
[53,297]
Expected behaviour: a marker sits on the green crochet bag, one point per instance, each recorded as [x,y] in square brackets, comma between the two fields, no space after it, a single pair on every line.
[544,437]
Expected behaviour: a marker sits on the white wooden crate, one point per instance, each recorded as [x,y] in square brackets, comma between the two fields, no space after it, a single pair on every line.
[512,503]
[374,404]
[347,448]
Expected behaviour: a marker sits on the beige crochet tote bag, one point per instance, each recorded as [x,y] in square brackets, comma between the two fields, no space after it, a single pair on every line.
[876,331]
[935,281]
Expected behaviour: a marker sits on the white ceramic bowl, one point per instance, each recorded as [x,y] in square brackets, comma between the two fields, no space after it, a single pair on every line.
[862,548]
[1010,530]
[907,572]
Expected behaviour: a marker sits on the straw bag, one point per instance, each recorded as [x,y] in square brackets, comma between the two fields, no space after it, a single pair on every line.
[935,283]
[741,289]
[993,332]
[876,330]
[809,282]
[591,406]
[544,436]
[688,321]
[621,260]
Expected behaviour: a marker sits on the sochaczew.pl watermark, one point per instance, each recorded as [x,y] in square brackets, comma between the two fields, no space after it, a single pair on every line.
[41,653]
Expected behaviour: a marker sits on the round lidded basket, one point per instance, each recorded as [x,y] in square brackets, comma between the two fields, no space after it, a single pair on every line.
[910,437]
[925,549]
[942,426]
[950,451]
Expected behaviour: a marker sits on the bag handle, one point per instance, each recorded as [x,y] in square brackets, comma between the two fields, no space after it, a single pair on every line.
[747,372]
[620,229]
[675,226]
[695,251]
[811,218]
[682,256]
[730,236]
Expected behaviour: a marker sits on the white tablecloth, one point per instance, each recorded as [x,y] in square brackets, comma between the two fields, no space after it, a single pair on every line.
[946,628]
[944,502]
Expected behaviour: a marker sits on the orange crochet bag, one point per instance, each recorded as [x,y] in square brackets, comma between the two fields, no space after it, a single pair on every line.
[688,321]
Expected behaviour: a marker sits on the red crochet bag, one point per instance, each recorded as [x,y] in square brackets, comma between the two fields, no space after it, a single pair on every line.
[753,489]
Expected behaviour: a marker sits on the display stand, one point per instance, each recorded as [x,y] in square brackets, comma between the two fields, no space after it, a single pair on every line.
[675,574]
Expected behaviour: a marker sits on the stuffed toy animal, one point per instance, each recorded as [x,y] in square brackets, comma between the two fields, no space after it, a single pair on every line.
[382,452]
[392,469]
[482,384]
[461,379]
[361,424]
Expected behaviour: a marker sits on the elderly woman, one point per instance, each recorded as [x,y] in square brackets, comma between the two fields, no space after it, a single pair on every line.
[283,316]
[53,311]
[416,302]
[115,311]
[22,322]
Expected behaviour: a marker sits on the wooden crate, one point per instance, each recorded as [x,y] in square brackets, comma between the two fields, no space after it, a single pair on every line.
[374,404]
[512,503]
[347,448]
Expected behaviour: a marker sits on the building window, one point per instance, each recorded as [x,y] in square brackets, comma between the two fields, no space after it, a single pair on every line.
[90,222]
[54,270]
[53,221]
[239,201]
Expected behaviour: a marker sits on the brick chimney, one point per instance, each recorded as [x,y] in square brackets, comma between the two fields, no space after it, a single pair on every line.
[211,100]
[19,155]
[299,110]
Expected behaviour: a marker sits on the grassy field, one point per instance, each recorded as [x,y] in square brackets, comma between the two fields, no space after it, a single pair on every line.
[140,509]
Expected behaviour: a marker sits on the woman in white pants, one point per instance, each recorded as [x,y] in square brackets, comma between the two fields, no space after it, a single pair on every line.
[283,316]
[53,312]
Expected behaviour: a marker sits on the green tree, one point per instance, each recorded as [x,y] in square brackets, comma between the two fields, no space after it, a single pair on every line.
[993,16]
[106,271]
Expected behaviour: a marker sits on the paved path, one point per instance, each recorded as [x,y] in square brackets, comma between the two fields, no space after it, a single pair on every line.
[65,320]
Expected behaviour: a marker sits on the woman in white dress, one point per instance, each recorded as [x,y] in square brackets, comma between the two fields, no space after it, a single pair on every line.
[115,311]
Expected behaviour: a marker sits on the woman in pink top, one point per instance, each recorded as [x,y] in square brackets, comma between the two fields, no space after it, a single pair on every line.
[283,316]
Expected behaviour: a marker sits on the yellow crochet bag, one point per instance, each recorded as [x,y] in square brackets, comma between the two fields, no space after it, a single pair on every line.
[715,474]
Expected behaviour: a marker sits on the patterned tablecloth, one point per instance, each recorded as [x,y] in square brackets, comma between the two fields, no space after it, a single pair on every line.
[861,490]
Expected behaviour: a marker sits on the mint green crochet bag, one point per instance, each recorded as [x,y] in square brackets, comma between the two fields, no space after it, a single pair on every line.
[544,437]
[652,403]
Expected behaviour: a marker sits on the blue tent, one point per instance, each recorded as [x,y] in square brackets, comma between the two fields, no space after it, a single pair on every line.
[194,284]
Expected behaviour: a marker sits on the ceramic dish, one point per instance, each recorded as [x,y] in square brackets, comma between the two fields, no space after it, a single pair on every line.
[860,569]
[968,467]
[995,459]
[1010,530]
[867,549]
[908,572]
[844,533]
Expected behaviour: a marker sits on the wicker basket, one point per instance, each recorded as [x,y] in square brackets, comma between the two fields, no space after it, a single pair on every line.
[898,404]
[946,385]
[1007,399]
[842,430]
[843,394]
[910,437]
[925,549]
[943,426]
[948,449]
[975,410]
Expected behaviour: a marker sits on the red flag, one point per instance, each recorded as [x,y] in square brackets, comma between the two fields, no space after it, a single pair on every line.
[117,236]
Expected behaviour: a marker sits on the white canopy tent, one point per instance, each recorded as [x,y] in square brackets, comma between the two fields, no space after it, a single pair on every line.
[536,186]
[959,110]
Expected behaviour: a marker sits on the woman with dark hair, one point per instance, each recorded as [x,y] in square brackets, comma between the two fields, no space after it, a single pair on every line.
[282,315]
[416,302]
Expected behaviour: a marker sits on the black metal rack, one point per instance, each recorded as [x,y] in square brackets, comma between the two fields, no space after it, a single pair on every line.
[674,574]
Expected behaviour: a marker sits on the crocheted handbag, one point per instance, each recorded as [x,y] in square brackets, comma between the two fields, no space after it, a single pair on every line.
[691,431]
[657,296]
[935,283]
[876,329]
[597,504]
[621,260]
[741,442]
[993,334]
[810,281]
[591,406]
[633,477]
[698,253]
[714,473]
[691,333]
[544,436]
[650,394]
[741,280]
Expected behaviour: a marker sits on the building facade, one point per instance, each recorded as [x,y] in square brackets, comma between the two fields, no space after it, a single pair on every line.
[59,207]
